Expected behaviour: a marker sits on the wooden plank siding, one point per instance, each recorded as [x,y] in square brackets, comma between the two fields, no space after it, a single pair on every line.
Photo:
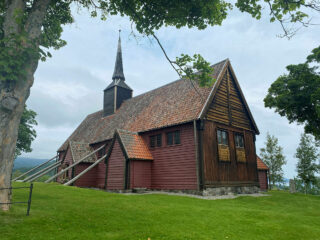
[263,179]
[228,111]
[96,176]
[224,173]
[227,106]
[140,174]
[116,168]
[88,179]
[66,162]
[174,167]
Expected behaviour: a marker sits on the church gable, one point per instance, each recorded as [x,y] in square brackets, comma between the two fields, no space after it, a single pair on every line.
[228,106]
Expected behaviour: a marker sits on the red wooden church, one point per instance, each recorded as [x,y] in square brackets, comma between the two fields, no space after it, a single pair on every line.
[169,138]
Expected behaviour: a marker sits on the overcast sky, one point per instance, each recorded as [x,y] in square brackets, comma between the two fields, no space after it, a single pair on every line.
[69,85]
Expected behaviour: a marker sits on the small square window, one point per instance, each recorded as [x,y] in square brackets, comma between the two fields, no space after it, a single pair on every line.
[170,138]
[155,140]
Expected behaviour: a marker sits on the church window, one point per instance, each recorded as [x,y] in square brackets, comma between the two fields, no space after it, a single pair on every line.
[240,150]
[223,145]
[155,140]
[173,138]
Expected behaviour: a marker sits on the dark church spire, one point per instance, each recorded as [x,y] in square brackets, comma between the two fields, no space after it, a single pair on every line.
[118,91]
[118,68]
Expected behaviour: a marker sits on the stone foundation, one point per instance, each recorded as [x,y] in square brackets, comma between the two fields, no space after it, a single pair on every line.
[213,191]
[218,191]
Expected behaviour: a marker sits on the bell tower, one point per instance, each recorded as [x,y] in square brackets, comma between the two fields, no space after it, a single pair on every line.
[117,91]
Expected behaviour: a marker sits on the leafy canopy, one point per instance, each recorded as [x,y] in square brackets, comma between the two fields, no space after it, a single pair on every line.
[272,155]
[307,156]
[147,16]
[26,132]
[296,95]
[17,48]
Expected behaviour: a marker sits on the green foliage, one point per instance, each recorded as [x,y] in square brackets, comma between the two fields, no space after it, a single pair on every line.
[26,132]
[149,16]
[307,156]
[283,11]
[200,70]
[17,49]
[314,56]
[59,212]
[313,189]
[296,95]
[273,157]
[16,174]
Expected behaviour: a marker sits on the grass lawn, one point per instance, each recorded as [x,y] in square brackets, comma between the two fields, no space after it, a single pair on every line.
[60,212]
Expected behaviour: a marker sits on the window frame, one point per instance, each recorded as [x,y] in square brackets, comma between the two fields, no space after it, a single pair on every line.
[175,137]
[159,140]
[154,141]
[235,139]
[240,148]
[227,134]
[224,145]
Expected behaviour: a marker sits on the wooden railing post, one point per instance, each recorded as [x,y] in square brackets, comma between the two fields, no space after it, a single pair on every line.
[30,197]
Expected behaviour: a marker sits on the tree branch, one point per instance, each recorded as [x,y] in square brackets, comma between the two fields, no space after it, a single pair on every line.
[172,63]
[36,17]
[10,25]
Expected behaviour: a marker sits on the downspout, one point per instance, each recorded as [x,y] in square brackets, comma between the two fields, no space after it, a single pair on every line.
[199,133]
[197,153]
[255,159]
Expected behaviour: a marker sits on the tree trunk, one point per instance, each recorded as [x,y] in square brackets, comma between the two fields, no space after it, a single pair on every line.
[13,94]
[8,137]
[12,102]
[305,188]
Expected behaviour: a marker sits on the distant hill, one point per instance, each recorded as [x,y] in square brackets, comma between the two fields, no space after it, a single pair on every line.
[25,163]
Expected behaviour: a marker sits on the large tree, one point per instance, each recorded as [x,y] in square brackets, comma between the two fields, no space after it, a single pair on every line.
[307,156]
[28,28]
[272,155]
[296,95]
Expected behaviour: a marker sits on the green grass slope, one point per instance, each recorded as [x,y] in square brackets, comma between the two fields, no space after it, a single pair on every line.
[60,212]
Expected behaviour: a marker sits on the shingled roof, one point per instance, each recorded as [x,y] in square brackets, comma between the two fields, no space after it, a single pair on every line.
[261,165]
[79,150]
[175,103]
[134,145]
